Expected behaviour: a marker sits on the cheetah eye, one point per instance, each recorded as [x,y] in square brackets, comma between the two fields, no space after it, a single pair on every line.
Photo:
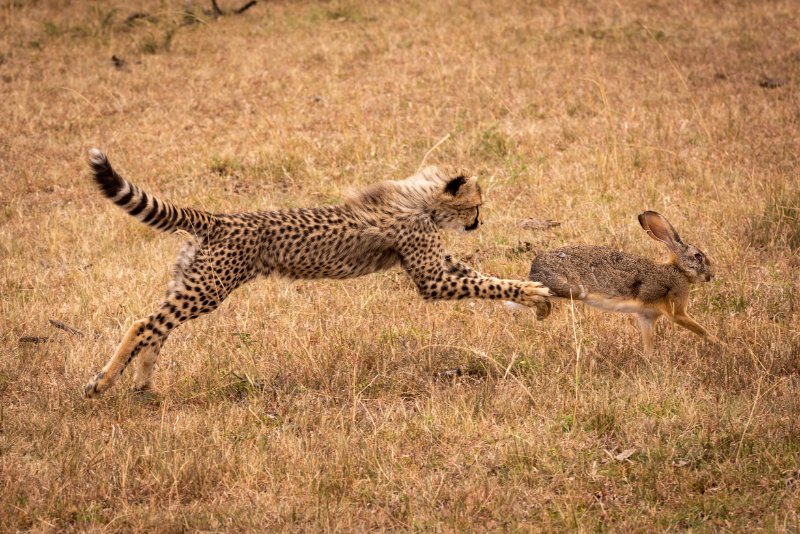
[699,257]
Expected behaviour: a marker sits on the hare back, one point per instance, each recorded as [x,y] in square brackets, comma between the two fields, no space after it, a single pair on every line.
[596,273]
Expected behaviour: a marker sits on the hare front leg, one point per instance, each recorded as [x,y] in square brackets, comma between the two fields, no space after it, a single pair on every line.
[686,321]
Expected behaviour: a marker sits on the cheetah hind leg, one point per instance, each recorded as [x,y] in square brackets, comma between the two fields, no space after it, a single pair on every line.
[145,365]
[134,342]
[143,342]
[196,288]
[145,338]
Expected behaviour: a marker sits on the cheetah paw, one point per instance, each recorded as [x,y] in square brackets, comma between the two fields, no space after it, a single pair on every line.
[533,293]
[93,388]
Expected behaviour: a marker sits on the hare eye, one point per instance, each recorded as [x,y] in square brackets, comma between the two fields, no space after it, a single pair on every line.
[698,257]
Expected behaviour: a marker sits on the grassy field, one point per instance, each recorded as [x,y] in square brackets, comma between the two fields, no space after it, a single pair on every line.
[324,406]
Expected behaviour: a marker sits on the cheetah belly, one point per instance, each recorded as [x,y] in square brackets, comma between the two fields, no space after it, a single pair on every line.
[330,255]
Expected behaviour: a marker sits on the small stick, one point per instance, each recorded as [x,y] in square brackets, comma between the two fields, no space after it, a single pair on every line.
[34,339]
[136,16]
[434,147]
[245,7]
[67,328]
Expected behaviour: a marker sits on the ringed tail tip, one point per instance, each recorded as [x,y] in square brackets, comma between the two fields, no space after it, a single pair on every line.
[104,176]
[96,157]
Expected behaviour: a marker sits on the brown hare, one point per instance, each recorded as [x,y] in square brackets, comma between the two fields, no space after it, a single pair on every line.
[617,281]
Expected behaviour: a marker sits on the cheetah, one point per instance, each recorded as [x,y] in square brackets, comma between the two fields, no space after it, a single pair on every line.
[386,224]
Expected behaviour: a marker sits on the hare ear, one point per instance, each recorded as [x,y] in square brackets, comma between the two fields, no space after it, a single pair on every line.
[660,229]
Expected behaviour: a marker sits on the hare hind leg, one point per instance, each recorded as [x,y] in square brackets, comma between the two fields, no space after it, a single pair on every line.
[647,323]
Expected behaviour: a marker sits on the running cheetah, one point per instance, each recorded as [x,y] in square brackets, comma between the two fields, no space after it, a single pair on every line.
[389,223]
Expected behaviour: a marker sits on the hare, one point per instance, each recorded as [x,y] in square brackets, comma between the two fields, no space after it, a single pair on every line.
[622,282]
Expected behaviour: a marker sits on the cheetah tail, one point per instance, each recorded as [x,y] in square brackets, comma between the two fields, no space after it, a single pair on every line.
[150,210]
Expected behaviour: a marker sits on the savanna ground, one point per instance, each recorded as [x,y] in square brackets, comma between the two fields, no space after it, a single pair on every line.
[323,405]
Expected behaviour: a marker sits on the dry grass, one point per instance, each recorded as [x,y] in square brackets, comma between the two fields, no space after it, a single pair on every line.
[316,406]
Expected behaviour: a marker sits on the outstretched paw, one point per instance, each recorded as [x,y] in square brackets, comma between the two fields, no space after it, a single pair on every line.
[533,293]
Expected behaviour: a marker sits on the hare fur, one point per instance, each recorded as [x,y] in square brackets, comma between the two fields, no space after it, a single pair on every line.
[621,282]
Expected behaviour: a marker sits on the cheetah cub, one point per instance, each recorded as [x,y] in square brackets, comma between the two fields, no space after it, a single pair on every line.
[389,223]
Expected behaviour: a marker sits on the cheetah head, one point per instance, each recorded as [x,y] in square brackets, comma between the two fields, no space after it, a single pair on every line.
[458,205]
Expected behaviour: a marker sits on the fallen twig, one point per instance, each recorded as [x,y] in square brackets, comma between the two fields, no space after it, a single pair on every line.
[130,19]
[67,328]
[538,224]
[34,339]
[217,11]
[245,7]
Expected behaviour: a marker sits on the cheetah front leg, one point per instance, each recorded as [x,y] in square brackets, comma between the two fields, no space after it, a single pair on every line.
[455,267]
[526,293]
[429,270]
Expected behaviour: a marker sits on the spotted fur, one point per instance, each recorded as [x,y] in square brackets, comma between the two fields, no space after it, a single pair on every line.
[390,223]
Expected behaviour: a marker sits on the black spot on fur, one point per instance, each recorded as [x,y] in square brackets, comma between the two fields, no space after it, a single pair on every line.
[635,287]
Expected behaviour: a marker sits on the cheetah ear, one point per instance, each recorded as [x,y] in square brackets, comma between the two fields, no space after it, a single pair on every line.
[455,184]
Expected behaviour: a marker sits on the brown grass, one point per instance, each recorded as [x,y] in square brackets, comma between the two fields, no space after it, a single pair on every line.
[318,406]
